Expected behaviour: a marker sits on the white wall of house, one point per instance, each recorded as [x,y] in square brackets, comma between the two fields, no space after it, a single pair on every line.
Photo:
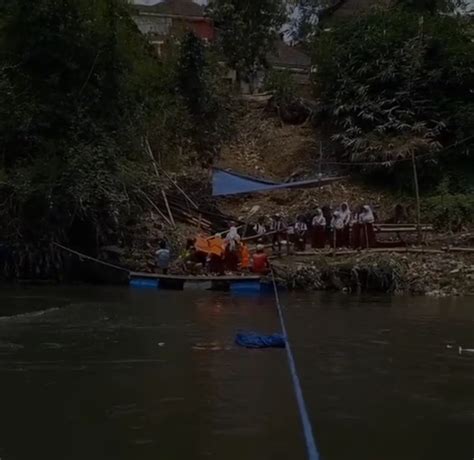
[150,24]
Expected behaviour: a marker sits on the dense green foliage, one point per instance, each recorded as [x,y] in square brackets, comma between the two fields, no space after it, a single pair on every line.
[247,31]
[394,84]
[199,85]
[283,86]
[80,90]
[450,210]
[80,84]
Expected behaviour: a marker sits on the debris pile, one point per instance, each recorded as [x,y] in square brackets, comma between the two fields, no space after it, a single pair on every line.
[441,275]
[434,275]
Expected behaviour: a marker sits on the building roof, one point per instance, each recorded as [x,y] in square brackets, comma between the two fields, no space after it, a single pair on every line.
[288,56]
[174,7]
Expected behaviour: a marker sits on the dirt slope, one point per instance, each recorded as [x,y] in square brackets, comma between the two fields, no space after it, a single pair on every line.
[264,147]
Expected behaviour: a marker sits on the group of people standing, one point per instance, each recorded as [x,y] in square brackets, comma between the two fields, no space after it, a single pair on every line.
[334,228]
[229,252]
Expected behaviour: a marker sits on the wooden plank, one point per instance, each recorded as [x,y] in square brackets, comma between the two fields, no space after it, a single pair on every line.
[370,251]
[379,229]
[194,278]
[381,224]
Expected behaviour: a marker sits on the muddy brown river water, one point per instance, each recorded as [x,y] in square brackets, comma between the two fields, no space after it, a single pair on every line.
[112,373]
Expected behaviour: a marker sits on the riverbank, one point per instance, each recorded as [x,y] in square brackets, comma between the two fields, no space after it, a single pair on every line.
[439,275]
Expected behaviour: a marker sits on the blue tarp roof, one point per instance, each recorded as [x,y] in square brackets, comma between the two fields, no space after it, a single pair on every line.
[226,183]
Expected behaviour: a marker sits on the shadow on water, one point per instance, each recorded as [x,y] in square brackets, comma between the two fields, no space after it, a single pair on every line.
[111,373]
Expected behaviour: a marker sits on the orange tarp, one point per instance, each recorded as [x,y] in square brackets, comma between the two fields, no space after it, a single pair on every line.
[212,245]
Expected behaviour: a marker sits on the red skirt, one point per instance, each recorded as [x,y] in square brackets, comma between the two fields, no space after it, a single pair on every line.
[338,238]
[216,264]
[318,237]
[346,236]
[367,236]
[355,236]
[231,260]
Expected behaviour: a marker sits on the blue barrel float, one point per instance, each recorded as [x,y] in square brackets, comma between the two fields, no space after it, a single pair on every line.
[250,288]
[145,283]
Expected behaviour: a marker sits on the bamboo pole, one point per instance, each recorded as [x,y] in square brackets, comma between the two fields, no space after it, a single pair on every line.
[418,203]
[168,208]
[186,196]
[152,157]
[155,207]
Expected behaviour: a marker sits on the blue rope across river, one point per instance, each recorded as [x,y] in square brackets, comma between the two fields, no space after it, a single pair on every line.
[311,447]
[254,340]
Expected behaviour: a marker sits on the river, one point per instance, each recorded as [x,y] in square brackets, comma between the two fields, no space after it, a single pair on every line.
[112,373]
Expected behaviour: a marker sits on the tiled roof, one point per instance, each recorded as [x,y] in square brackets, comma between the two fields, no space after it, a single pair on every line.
[174,7]
[288,56]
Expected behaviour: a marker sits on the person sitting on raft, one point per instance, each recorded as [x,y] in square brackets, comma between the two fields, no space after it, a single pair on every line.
[260,263]
[318,239]
[301,229]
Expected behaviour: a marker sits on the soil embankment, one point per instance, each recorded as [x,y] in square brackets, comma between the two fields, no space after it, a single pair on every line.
[266,148]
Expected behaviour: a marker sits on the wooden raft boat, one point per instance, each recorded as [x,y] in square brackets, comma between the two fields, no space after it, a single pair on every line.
[250,283]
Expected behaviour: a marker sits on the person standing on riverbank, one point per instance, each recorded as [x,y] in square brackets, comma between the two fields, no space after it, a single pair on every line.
[366,222]
[337,225]
[277,226]
[301,229]
[260,230]
[318,231]
[345,214]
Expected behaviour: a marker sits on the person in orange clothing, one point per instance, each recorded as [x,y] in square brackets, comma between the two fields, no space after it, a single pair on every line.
[244,257]
[260,263]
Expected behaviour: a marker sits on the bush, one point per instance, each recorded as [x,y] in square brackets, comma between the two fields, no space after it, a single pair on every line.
[283,86]
[393,85]
[449,211]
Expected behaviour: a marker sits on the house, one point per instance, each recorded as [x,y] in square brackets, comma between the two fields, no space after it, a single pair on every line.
[171,19]
[291,59]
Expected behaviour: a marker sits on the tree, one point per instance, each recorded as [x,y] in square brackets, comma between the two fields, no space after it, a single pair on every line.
[77,84]
[394,85]
[191,75]
[247,31]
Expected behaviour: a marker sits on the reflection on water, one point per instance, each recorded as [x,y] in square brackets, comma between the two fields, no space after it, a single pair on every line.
[119,374]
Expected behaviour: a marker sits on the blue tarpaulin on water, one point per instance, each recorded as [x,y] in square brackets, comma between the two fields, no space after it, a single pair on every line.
[226,183]
[254,340]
